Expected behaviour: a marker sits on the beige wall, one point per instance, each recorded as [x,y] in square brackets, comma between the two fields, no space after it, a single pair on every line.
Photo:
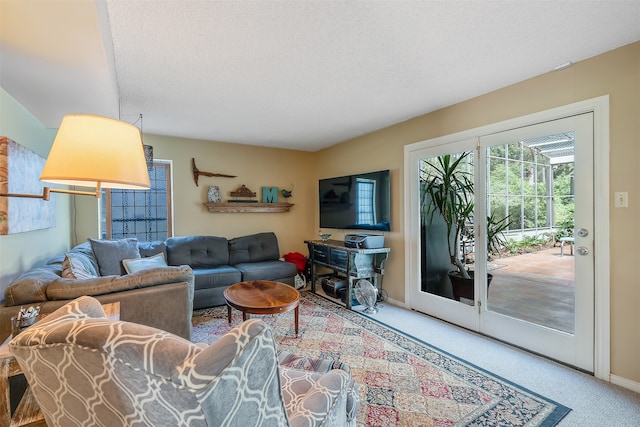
[19,252]
[616,73]
[254,167]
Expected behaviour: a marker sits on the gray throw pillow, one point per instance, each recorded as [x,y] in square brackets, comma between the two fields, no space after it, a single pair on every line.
[110,253]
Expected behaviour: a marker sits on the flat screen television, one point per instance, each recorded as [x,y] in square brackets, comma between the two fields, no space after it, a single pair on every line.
[361,201]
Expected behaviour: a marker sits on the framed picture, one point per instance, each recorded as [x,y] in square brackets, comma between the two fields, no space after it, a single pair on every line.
[20,170]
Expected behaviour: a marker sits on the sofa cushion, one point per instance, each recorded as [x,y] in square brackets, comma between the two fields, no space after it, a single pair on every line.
[197,251]
[58,259]
[110,253]
[31,286]
[83,249]
[86,249]
[254,248]
[214,277]
[139,264]
[69,288]
[156,247]
[77,265]
[267,270]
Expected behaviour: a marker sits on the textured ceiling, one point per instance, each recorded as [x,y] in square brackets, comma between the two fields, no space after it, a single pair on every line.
[292,74]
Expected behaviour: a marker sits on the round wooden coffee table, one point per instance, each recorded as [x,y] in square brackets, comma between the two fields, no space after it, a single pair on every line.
[262,297]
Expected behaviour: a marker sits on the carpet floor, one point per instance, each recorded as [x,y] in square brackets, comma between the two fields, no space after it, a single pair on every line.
[402,381]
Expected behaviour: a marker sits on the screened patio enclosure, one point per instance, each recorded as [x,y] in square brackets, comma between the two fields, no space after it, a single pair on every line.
[531,182]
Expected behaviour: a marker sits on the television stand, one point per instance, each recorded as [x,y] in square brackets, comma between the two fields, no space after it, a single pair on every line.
[354,263]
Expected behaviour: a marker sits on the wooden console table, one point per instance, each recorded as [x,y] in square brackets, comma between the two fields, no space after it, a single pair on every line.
[354,263]
[27,413]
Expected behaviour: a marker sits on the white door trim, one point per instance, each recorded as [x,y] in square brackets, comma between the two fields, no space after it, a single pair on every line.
[600,108]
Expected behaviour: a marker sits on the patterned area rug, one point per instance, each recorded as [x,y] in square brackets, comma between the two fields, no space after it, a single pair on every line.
[402,381]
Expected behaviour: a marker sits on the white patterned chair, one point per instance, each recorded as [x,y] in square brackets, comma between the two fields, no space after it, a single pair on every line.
[86,370]
[295,362]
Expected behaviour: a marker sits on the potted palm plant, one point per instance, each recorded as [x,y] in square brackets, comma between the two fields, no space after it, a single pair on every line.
[449,185]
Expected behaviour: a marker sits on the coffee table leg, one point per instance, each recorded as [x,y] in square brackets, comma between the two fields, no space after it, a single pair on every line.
[296,318]
[245,316]
[229,313]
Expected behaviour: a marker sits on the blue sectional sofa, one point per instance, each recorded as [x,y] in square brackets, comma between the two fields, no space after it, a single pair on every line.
[218,263]
[162,294]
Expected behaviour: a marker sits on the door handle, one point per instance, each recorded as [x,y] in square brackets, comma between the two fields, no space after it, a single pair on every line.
[582,232]
[582,250]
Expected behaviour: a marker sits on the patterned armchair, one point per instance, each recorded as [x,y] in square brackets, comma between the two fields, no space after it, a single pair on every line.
[84,369]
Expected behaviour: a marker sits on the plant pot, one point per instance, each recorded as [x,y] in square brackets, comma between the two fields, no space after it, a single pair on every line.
[462,287]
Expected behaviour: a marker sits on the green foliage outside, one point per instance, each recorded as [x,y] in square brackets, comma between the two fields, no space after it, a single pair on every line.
[564,202]
[527,244]
[518,179]
[522,177]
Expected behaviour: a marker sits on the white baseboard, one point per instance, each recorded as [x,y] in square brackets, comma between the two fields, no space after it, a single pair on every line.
[623,382]
[396,303]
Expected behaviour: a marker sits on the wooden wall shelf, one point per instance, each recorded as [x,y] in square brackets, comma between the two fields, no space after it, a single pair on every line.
[248,207]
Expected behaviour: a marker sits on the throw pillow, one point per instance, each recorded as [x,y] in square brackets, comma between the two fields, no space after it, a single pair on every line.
[110,253]
[77,266]
[148,249]
[138,264]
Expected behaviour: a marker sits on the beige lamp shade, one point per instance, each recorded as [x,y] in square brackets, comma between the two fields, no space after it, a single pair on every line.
[97,152]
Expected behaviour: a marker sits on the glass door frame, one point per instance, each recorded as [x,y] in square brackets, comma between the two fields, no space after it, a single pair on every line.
[600,107]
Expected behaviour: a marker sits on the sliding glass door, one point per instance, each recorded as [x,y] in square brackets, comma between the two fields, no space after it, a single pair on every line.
[513,212]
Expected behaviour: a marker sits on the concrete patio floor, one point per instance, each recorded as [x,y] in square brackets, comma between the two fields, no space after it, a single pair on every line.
[535,287]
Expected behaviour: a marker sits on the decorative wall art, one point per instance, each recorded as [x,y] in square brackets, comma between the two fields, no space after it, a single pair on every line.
[20,170]
[269,194]
[287,193]
[214,195]
[245,194]
[197,172]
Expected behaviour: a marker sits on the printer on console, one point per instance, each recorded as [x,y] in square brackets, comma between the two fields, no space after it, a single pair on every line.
[364,241]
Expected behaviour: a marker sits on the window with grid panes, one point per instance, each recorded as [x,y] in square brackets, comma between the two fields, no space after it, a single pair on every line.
[145,214]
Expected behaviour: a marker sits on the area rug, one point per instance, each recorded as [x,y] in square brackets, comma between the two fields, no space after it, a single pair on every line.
[402,381]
